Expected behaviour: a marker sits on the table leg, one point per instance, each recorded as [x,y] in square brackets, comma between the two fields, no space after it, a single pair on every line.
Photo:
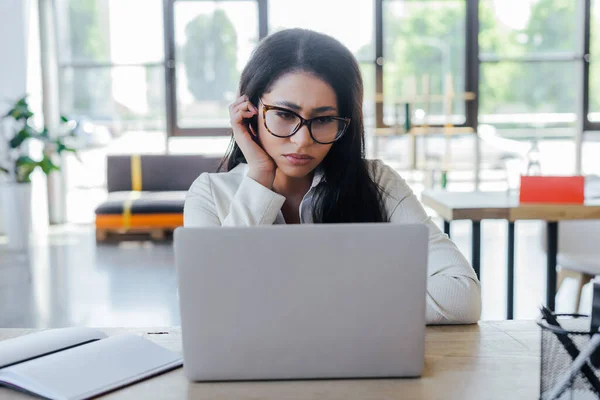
[476,247]
[552,232]
[447,227]
[510,275]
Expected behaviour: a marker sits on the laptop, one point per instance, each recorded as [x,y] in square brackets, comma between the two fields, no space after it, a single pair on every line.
[302,302]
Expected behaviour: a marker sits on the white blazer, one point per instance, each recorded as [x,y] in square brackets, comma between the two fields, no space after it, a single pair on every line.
[234,199]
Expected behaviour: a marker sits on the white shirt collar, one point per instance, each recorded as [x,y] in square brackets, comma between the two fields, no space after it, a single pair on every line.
[318,177]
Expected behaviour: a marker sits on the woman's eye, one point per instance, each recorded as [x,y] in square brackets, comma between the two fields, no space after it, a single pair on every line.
[324,120]
[285,115]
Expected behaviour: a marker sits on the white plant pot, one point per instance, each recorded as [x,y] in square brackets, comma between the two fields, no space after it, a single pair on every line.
[15,203]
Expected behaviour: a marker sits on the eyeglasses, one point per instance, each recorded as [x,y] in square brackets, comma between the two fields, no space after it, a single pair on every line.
[283,123]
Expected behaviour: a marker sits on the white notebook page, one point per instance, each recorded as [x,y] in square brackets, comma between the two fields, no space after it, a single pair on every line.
[93,368]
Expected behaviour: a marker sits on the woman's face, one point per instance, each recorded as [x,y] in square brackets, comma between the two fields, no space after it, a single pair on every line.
[310,97]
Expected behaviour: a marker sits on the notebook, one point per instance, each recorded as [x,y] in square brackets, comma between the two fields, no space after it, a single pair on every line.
[79,363]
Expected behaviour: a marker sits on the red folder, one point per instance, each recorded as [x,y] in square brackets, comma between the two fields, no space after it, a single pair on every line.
[552,189]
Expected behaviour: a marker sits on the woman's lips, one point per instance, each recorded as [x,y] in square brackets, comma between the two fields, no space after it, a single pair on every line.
[298,159]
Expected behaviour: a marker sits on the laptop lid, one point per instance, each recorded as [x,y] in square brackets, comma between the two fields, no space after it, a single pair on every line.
[304,301]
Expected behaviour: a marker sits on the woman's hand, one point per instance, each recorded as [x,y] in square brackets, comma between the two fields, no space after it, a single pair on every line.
[261,166]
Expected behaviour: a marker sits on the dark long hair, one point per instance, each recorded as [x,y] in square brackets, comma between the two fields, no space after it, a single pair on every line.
[347,193]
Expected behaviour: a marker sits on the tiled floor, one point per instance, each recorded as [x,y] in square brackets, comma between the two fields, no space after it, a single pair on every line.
[72,281]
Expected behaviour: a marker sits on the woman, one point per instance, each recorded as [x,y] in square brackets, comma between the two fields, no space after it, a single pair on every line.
[297,156]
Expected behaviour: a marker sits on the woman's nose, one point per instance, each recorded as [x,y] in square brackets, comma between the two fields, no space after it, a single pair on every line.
[302,137]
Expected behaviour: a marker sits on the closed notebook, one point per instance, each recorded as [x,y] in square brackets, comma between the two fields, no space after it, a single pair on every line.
[78,363]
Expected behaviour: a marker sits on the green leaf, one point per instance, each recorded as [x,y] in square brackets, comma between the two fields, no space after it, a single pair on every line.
[25,133]
[47,165]
[25,160]
[21,110]
[60,147]
[4,170]
[64,119]
[22,101]
[24,167]
[19,138]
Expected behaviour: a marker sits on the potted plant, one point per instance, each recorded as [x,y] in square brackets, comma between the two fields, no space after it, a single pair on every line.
[18,164]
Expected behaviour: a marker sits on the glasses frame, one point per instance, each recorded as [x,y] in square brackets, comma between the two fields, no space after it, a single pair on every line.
[307,122]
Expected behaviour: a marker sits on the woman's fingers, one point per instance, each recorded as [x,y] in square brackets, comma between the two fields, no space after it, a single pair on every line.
[246,106]
[262,166]
[239,115]
[239,101]
[240,112]
[252,107]
[243,102]
[243,110]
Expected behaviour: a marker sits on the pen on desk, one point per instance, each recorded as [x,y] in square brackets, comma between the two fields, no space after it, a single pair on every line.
[571,349]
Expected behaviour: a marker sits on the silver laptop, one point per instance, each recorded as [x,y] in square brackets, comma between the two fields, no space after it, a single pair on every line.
[301,302]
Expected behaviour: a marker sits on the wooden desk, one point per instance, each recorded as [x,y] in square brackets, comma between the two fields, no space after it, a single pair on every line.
[492,360]
[476,206]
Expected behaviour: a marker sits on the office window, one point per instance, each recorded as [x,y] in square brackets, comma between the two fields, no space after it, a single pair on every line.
[213,42]
[424,50]
[121,97]
[537,95]
[530,63]
[368,75]
[594,88]
[111,55]
[523,28]
[110,31]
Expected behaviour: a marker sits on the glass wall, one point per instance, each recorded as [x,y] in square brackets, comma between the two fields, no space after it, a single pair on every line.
[424,57]
[531,63]
[213,42]
[594,85]
[111,58]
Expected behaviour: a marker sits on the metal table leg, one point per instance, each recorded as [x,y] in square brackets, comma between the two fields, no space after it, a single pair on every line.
[552,232]
[476,247]
[510,275]
[447,227]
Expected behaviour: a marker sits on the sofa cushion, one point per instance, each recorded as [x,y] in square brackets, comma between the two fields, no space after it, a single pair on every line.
[143,203]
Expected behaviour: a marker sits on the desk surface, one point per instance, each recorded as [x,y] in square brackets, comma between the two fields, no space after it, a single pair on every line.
[491,360]
[499,205]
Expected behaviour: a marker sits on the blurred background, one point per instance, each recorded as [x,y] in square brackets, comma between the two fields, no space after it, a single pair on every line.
[459,95]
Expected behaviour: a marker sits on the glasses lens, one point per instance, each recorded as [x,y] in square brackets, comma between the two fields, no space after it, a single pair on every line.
[281,123]
[327,129]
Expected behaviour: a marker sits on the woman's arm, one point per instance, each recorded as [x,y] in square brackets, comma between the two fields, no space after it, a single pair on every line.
[453,290]
[252,204]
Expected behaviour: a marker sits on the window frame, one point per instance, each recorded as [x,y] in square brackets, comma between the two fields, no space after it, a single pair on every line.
[473,60]
[171,74]
[471,72]
[578,56]
[587,124]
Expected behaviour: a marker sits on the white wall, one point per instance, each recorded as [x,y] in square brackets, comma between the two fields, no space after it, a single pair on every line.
[20,70]
[13,50]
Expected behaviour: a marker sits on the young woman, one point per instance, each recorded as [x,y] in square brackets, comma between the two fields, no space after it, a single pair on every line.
[297,156]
